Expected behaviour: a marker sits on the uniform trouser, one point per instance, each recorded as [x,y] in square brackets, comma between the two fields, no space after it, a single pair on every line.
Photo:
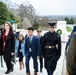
[9,65]
[41,62]
[34,62]
[49,72]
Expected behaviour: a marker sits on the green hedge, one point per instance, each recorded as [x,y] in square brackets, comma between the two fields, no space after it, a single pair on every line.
[69,29]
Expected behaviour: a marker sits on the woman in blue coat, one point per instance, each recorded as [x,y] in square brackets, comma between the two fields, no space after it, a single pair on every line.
[19,47]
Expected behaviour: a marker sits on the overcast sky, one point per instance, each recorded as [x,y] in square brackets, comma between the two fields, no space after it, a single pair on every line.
[52,7]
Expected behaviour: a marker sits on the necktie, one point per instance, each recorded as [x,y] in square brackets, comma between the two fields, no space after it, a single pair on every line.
[30,39]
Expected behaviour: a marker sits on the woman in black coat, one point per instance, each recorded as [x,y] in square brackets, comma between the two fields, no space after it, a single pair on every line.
[7,46]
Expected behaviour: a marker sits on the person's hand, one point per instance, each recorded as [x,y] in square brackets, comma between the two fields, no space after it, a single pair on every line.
[38,57]
[12,53]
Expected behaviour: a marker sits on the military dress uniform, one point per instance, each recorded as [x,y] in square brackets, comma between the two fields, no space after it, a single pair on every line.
[51,50]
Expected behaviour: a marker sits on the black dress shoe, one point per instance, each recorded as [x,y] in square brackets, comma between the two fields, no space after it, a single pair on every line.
[11,70]
[7,72]
[41,70]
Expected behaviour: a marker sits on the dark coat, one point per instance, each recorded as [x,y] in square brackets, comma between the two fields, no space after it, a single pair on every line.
[40,39]
[34,45]
[74,30]
[71,56]
[51,55]
[0,44]
[9,46]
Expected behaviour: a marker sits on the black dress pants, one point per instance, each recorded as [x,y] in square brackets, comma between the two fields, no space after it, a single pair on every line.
[41,62]
[9,65]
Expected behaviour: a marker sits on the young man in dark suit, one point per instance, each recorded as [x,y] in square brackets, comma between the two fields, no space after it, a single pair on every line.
[39,31]
[32,49]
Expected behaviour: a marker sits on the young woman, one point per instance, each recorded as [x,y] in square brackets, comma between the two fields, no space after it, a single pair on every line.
[7,46]
[20,46]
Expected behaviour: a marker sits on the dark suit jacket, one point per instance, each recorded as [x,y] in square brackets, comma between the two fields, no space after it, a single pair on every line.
[34,45]
[41,40]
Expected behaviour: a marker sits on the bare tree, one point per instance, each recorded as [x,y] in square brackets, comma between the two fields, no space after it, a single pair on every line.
[26,23]
[27,11]
[43,21]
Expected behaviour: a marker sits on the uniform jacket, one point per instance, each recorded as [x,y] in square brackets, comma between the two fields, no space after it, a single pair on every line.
[51,55]
[9,46]
[71,56]
[22,47]
[34,45]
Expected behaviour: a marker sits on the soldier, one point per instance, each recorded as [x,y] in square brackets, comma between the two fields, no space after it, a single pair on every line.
[51,48]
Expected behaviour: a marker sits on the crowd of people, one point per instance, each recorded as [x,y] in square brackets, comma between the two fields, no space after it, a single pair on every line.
[47,46]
